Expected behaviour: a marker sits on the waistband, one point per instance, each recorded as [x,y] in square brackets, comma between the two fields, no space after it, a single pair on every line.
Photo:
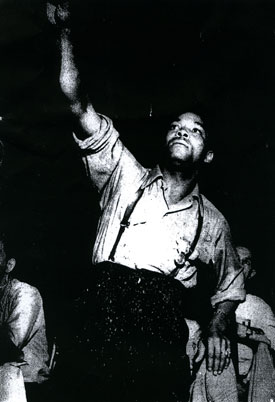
[112,266]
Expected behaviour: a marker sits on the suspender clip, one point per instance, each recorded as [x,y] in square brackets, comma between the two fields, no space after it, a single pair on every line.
[125,224]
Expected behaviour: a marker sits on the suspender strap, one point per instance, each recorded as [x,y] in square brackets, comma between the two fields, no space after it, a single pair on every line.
[125,221]
[198,231]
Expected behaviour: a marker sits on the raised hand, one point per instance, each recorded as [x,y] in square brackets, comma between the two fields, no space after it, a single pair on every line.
[58,14]
[69,78]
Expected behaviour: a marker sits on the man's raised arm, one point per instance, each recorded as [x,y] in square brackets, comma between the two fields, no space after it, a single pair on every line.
[95,135]
[69,75]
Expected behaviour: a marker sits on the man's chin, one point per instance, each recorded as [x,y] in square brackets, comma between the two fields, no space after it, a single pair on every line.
[175,162]
[179,163]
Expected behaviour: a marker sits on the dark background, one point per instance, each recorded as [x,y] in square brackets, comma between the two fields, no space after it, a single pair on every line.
[142,62]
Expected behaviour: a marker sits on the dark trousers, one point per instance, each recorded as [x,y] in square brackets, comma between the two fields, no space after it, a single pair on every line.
[38,392]
[129,343]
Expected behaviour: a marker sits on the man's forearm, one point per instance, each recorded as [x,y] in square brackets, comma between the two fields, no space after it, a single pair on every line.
[70,84]
[222,316]
[69,74]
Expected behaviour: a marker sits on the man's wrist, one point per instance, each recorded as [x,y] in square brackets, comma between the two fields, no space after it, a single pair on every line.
[220,314]
[220,322]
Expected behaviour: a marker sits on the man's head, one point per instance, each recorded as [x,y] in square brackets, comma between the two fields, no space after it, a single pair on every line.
[245,259]
[7,262]
[186,141]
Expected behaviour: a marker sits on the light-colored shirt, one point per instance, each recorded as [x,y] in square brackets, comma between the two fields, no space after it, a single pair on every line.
[157,234]
[259,314]
[255,313]
[21,311]
[12,383]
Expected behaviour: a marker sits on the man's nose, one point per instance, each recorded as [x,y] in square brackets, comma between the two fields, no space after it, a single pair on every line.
[182,132]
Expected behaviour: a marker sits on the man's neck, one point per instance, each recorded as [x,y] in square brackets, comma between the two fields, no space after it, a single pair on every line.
[178,184]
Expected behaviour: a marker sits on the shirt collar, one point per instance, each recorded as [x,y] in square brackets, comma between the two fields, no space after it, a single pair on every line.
[156,173]
[152,175]
[188,200]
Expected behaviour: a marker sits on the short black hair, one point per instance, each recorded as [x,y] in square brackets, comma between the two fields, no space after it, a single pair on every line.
[206,114]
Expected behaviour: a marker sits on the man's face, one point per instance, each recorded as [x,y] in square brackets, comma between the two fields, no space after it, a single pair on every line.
[245,260]
[185,141]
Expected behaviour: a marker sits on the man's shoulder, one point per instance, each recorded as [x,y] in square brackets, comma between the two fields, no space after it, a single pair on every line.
[19,288]
[256,309]
[213,213]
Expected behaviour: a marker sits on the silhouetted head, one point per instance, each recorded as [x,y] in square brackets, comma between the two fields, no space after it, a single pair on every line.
[245,259]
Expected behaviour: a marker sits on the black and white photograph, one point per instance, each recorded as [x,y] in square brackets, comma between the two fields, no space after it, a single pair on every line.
[137,151]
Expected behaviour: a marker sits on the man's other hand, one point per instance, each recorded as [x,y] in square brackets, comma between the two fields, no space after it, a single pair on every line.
[218,345]
[195,352]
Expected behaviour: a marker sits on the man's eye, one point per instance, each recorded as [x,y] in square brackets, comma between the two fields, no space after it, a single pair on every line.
[196,130]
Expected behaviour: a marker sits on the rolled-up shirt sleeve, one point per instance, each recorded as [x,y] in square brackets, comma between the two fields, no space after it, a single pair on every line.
[26,315]
[101,152]
[229,273]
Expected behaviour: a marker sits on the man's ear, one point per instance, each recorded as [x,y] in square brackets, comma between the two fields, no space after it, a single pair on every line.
[10,265]
[209,157]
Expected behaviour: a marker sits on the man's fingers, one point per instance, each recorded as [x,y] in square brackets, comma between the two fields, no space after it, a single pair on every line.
[223,353]
[200,354]
[210,353]
[58,14]
[228,355]
[217,355]
[62,11]
[51,13]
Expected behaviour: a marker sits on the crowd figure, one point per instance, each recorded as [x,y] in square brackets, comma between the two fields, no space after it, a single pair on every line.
[165,316]
[23,342]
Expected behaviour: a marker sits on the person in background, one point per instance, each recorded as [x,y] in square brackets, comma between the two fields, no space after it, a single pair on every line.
[252,378]
[256,342]
[22,326]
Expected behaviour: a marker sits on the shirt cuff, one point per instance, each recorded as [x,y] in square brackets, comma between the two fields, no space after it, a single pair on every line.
[228,295]
[95,141]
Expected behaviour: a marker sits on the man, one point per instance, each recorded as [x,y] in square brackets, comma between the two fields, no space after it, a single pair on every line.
[22,327]
[158,240]
[256,341]
[255,379]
